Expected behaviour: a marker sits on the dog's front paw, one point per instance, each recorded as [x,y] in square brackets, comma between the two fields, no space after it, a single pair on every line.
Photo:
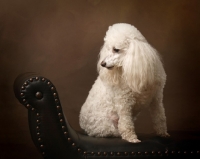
[132,139]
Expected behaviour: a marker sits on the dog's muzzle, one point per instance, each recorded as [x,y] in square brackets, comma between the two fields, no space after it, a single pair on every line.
[103,64]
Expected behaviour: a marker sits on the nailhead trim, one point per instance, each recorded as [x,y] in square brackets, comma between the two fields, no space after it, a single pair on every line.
[29,107]
[64,129]
[158,153]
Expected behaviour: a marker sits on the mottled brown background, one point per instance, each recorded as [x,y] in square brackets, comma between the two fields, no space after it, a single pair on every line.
[60,39]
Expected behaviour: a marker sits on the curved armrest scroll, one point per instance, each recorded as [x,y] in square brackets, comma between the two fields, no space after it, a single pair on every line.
[47,122]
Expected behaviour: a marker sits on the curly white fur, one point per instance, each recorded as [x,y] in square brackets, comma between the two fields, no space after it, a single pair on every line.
[131,77]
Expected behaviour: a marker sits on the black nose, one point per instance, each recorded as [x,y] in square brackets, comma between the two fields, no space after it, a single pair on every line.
[103,63]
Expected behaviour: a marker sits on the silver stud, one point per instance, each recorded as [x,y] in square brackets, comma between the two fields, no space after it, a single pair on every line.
[52,88]
[39,139]
[22,87]
[69,139]
[79,150]
[146,153]
[65,133]
[43,153]
[84,152]
[54,94]
[43,79]
[24,100]
[104,153]
[25,83]
[48,83]
[38,95]
[61,120]
[31,80]
[98,153]
[118,154]
[36,78]
[139,153]
[37,121]
[41,146]
[58,107]
[28,105]
[125,153]
[63,127]
[73,144]
[56,100]
[132,153]
[111,153]
[37,114]
[33,109]
[21,94]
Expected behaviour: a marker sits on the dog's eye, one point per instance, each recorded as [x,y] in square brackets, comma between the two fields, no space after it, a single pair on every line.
[116,50]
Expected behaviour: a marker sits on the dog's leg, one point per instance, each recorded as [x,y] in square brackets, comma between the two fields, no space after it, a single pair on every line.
[125,124]
[157,112]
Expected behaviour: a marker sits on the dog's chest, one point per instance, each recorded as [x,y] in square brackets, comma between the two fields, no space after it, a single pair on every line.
[125,96]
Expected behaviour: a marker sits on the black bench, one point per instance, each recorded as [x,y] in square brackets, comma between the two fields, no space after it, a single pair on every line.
[55,139]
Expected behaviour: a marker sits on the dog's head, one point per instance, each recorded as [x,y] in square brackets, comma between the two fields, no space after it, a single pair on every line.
[118,42]
[126,49]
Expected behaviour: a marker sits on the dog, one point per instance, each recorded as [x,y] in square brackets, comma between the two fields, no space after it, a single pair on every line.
[131,78]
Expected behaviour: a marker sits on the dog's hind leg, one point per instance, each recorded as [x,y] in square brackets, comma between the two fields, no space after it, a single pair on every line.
[157,112]
[114,119]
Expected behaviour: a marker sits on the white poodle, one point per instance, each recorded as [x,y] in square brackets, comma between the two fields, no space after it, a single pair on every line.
[131,78]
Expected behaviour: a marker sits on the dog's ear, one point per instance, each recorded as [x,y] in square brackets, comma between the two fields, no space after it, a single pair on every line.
[139,65]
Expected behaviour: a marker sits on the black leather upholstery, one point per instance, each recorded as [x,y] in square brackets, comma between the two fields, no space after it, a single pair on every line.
[55,139]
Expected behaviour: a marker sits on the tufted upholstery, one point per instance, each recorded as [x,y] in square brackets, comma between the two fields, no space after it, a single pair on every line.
[55,139]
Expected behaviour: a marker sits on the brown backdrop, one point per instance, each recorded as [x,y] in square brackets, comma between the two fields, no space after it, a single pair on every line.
[61,39]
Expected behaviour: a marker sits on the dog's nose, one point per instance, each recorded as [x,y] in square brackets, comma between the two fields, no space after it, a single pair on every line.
[103,64]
